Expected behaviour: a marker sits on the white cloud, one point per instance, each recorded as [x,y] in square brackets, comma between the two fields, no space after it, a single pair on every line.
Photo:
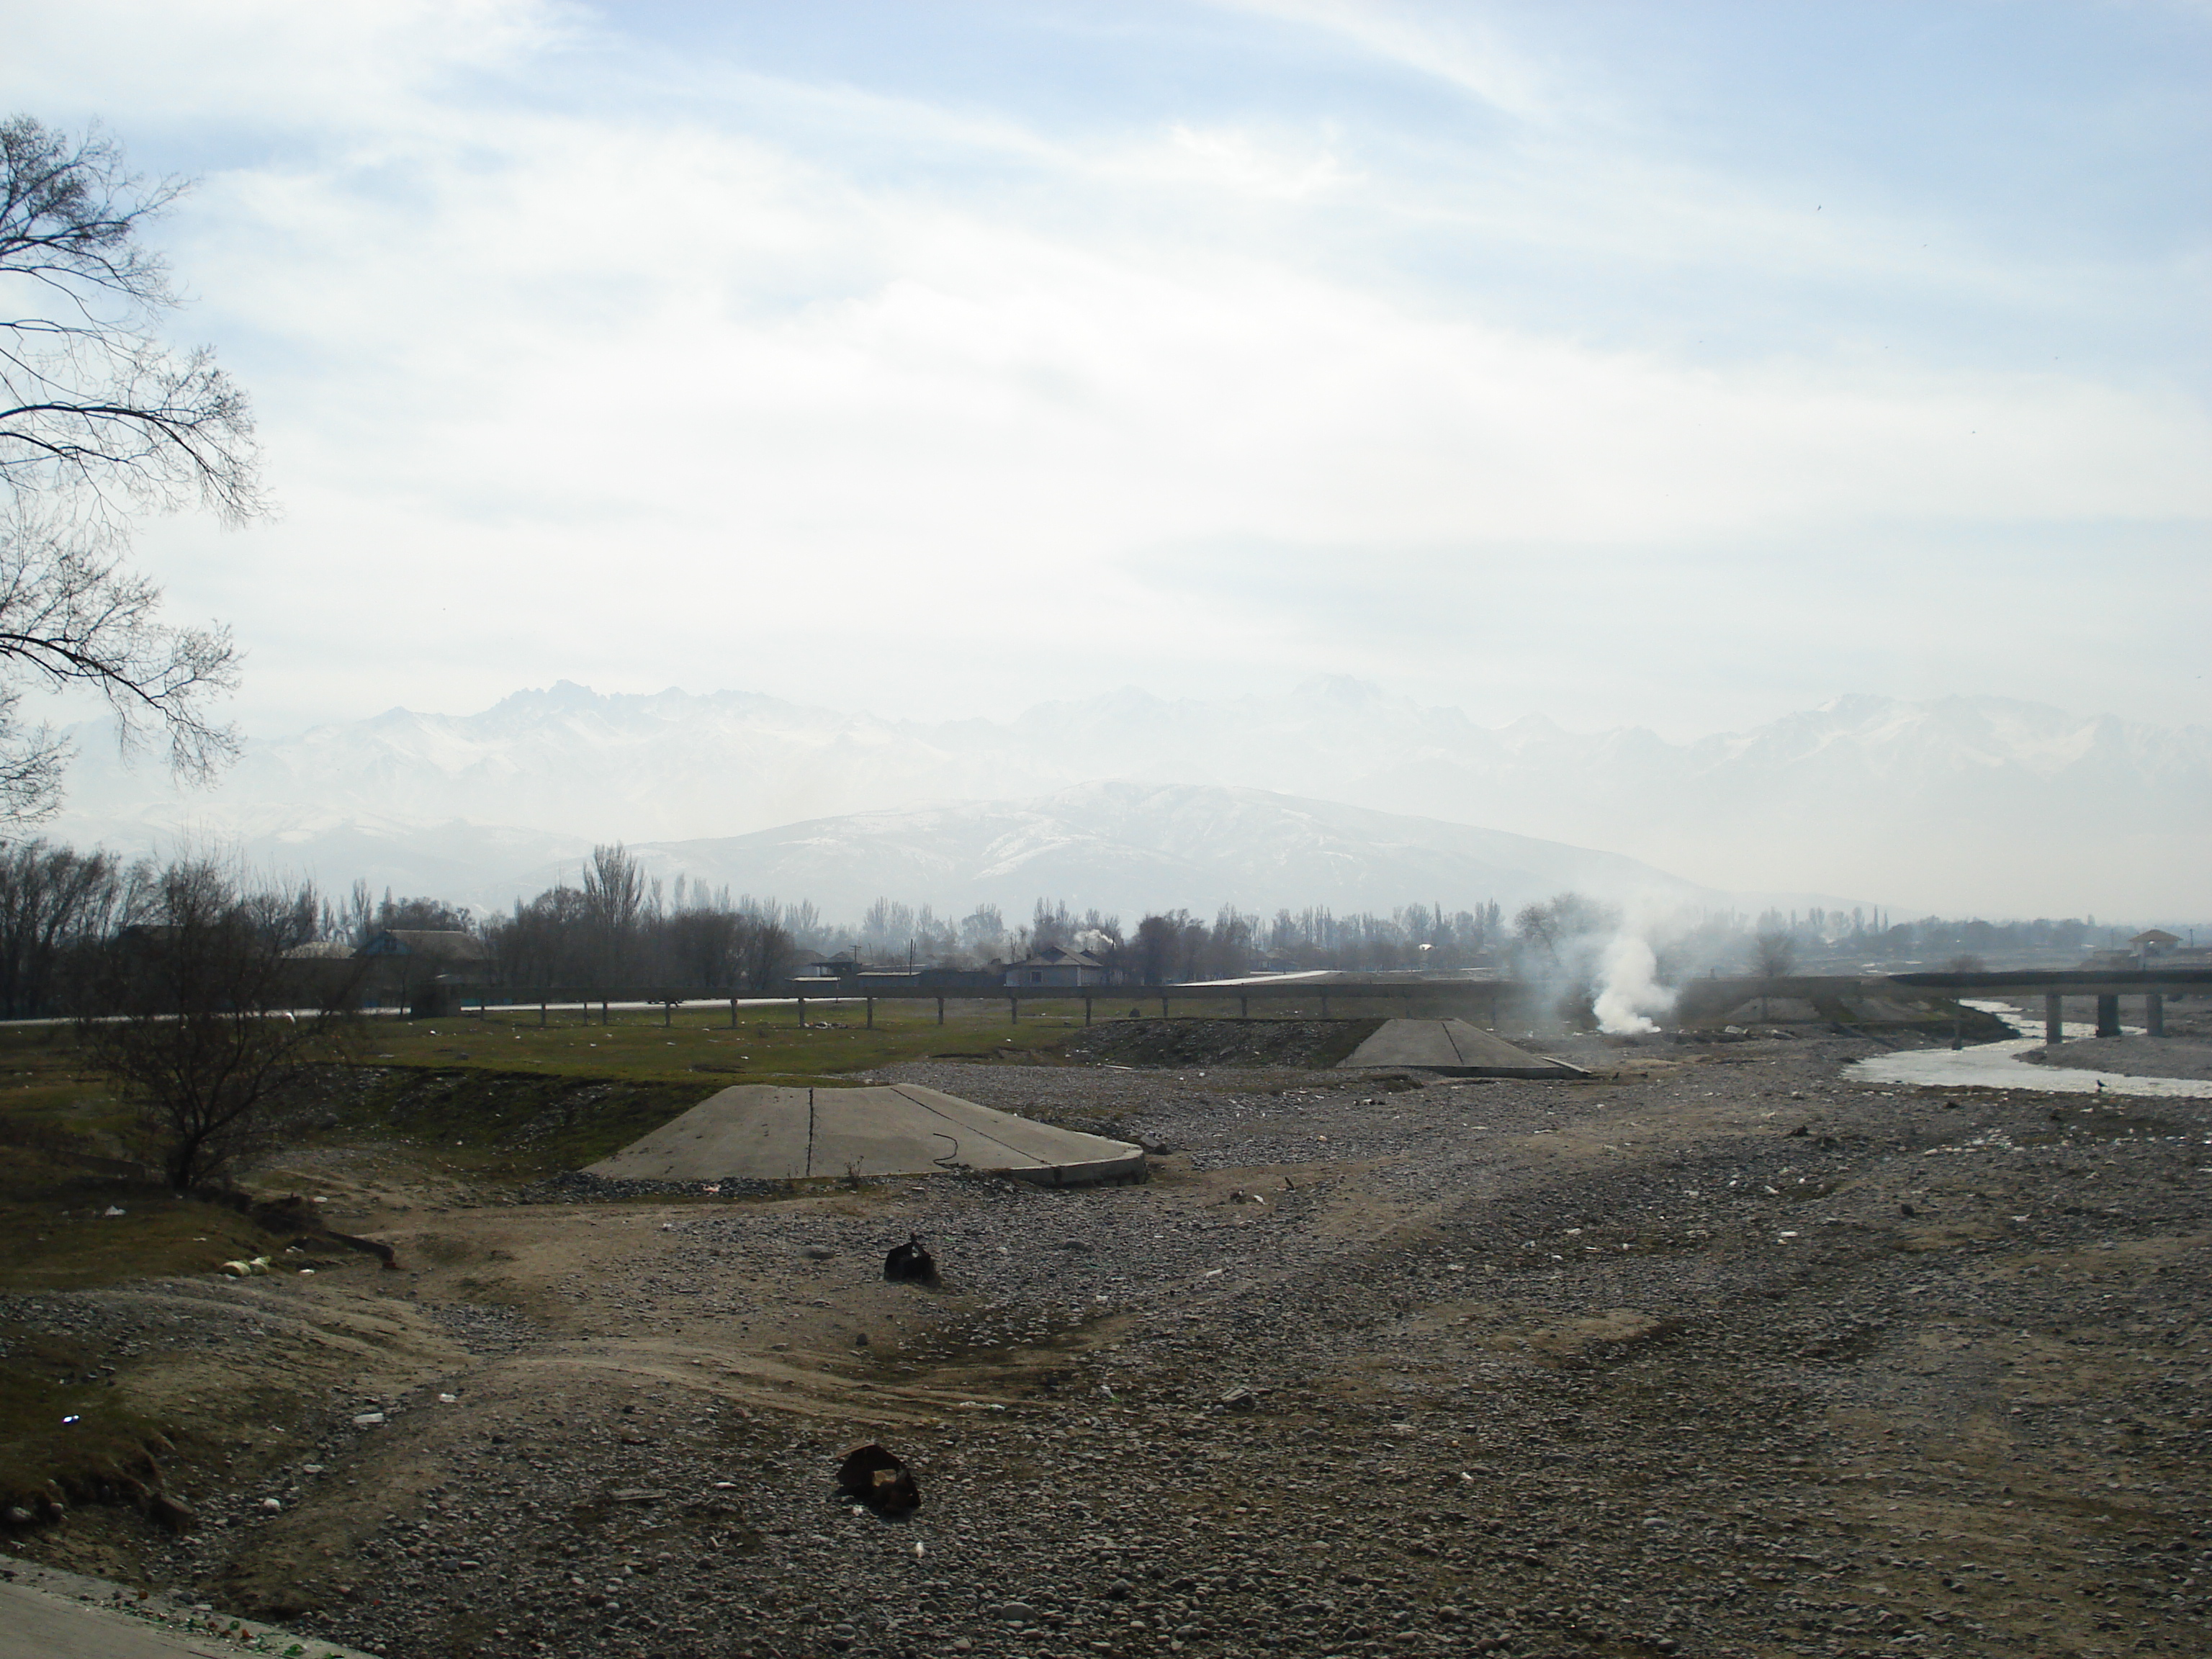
[565,385]
[1452,44]
[337,63]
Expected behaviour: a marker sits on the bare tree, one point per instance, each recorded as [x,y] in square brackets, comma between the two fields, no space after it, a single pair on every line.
[202,1019]
[761,953]
[614,898]
[1152,955]
[1773,953]
[72,613]
[55,904]
[100,418]
[92,403]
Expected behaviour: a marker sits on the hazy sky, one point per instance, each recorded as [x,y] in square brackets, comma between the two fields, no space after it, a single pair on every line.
[1679,364]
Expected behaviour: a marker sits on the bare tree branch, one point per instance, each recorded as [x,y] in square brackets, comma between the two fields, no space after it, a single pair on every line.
[93,402]
[72,614]
[100,418]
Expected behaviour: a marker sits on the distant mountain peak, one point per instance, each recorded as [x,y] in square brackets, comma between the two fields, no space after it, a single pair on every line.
[1345,690]
[1962,803]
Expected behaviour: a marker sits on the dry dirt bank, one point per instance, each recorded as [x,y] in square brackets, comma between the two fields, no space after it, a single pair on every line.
[1718,1354]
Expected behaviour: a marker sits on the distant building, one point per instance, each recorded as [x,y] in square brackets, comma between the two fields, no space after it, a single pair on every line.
[845,965]
[1052,966]
[449,948]
[2153,942]
[321,950]
[424,969]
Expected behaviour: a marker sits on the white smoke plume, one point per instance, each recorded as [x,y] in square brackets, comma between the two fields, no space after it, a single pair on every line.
[1629,991]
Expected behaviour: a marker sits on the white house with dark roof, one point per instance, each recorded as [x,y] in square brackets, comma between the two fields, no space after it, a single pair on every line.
[1051,965]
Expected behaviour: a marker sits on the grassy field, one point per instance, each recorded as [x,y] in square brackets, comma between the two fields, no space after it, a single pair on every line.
[496,1100]
[766,1045]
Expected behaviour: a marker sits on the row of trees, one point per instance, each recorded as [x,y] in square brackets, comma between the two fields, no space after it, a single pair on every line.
[181,973]
[1876,935]
[617,928]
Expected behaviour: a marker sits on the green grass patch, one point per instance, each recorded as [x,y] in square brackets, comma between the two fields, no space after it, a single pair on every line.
[65,1428]
[766,1045]
[500,1126]
[69,1242]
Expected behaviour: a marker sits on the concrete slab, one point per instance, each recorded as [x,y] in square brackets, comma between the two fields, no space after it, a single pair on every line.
[760,1132]
[1454,1048]
[49,1614]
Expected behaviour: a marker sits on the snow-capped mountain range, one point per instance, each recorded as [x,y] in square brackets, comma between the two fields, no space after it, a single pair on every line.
[1127,847]
[1963,805]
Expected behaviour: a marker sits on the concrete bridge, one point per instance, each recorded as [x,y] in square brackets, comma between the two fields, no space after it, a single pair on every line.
[2107,985]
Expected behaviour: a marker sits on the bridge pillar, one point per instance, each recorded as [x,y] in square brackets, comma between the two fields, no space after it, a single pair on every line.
[2155,1014]
[2108,1016]
[2054,1018]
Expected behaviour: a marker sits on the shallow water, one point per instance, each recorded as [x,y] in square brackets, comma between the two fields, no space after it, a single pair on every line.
[1998,1066]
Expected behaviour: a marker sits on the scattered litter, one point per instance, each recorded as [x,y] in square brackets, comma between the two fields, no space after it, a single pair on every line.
[73,1417]
[449,1400]
[879,1480]
[113,1209]
[369,1419]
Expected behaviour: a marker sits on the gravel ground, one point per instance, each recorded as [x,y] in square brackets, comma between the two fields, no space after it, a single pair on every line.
[2133,1056]
[1717,1353]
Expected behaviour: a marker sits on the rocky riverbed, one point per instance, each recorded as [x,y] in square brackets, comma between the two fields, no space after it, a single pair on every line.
[1718,1353]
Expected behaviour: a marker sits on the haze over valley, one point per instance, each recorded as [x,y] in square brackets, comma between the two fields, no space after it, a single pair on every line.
[1336,793]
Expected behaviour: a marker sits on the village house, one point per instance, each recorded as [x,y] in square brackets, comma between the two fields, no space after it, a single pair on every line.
[423,969]
[1051,965]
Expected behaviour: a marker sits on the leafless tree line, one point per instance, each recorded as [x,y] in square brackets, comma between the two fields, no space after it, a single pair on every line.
[617,928]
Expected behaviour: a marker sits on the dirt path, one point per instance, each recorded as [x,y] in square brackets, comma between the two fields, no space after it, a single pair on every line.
[1720,1354]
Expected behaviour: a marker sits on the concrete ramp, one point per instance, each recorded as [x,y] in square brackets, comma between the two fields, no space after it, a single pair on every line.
[1454,1048]
[762,1132]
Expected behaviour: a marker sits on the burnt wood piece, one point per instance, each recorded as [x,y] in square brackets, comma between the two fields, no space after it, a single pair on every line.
[876,1477]
[911,1264]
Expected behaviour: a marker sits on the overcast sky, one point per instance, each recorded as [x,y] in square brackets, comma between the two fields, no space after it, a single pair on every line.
[1679,364]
